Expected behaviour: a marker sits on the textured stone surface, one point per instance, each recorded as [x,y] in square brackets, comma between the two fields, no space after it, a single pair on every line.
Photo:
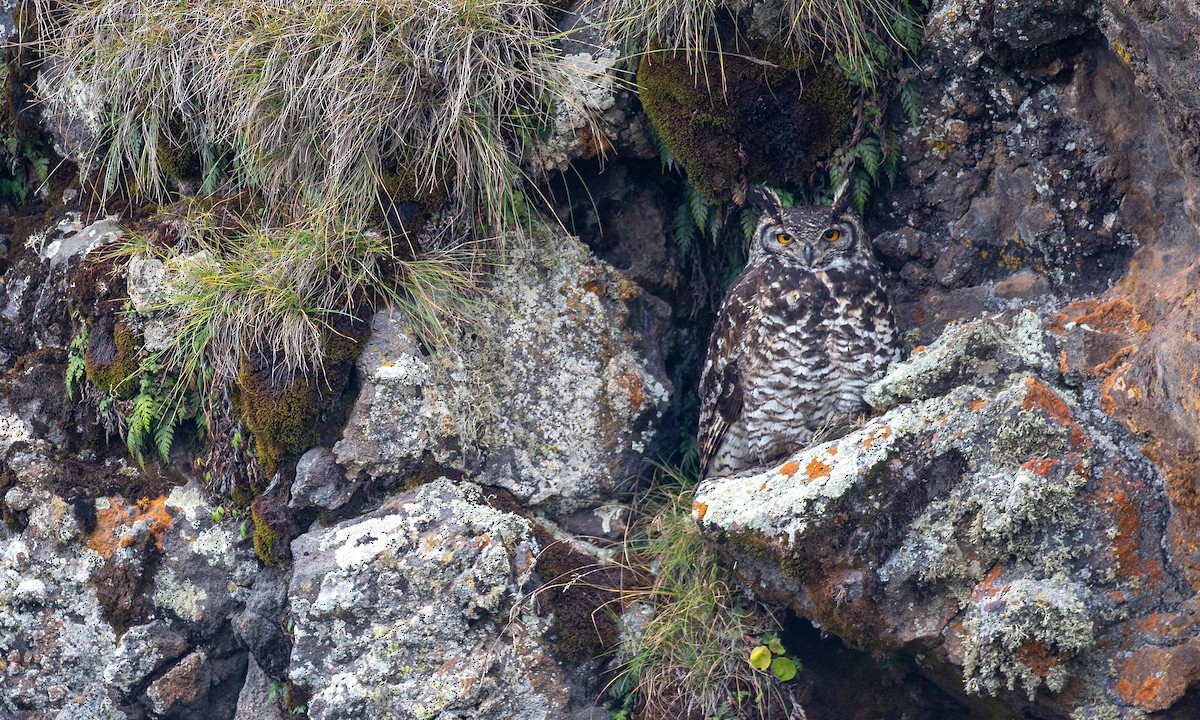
[993,519]
[408,612]
[555,397]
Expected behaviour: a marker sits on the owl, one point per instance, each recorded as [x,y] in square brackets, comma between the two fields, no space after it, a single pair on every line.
[802,332]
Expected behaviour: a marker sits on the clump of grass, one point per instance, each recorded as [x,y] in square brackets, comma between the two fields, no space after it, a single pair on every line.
[324,103]
[692,657]
[240,286]
[866,38]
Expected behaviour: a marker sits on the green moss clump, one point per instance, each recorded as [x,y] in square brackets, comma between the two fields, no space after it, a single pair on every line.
[112,360]
[771,122]
[266,536]
[178,161]
[281,416]
[583,625]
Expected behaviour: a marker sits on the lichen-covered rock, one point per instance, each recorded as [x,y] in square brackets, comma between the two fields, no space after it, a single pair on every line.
[554,396]
[992,519]
[413,611]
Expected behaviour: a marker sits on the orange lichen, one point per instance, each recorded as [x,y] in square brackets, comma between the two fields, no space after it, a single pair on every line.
[1040,466]
[986,587]
[977,404]
[1107,366]
[593,144]
[117,526]
[789,469]
[1041,396]
[1113,382]
[1035,655]
[1112,316]
[699,509]
[817,469]
[1148,692]
[881,433]
[1113,497]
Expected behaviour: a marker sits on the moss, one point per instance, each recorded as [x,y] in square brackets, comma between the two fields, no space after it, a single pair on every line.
[112,360]
[402,205]
[771,124]
[281,415]
[179,161]
[267,537]
[284,415]
[583,625]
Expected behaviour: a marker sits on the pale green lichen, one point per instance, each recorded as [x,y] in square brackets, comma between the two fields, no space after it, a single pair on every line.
[179,595]
[1048,617]
[979,352]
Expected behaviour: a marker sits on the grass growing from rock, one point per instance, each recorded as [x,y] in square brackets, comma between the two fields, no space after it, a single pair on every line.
[862,36]
[315,103]
[695,656]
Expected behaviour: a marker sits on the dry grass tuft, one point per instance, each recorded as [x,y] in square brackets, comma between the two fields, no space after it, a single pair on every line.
[317,103]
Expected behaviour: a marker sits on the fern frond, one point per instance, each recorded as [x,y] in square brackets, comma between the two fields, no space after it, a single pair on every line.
[141,417]
[685,229]
[869,151]
[164,435]
[76,367]
[698,205]
[910,100]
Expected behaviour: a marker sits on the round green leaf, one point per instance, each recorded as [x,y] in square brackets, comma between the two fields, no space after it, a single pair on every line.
[783,669]
[776,647]
[760,658]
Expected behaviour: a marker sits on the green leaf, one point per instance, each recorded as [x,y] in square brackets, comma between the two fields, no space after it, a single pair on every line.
[783,668]
[760,658]
[775,646]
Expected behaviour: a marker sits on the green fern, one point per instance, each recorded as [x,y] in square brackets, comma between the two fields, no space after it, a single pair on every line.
[869,151]
[76,353]
[698,205]
[142,417]
[685,229]
[909,94]
[164,434]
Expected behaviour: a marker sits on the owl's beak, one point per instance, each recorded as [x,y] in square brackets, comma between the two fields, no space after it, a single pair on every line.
[809,254]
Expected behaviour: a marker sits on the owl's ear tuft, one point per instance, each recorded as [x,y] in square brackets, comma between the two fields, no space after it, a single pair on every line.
[764,198]
[842,196]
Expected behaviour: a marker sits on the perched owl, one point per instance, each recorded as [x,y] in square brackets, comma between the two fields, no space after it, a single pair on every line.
[804,329]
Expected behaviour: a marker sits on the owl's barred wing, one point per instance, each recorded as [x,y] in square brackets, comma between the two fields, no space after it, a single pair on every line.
[721,382]
[721,403]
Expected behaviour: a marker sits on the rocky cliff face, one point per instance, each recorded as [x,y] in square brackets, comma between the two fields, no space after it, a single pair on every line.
[1015,526]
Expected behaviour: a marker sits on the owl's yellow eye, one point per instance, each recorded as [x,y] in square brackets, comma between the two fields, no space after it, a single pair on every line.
[831,234]
[783,238]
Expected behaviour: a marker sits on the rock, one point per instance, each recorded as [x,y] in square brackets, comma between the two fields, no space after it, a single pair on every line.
[992,519]
[320,481]
[72,115]
[182,686]
[141,652]
[259,699]
[412,611]
[261,625]
[554,398]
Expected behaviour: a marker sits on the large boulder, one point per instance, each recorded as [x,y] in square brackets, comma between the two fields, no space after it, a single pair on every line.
[554,395]
[415,611]
[992,520]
